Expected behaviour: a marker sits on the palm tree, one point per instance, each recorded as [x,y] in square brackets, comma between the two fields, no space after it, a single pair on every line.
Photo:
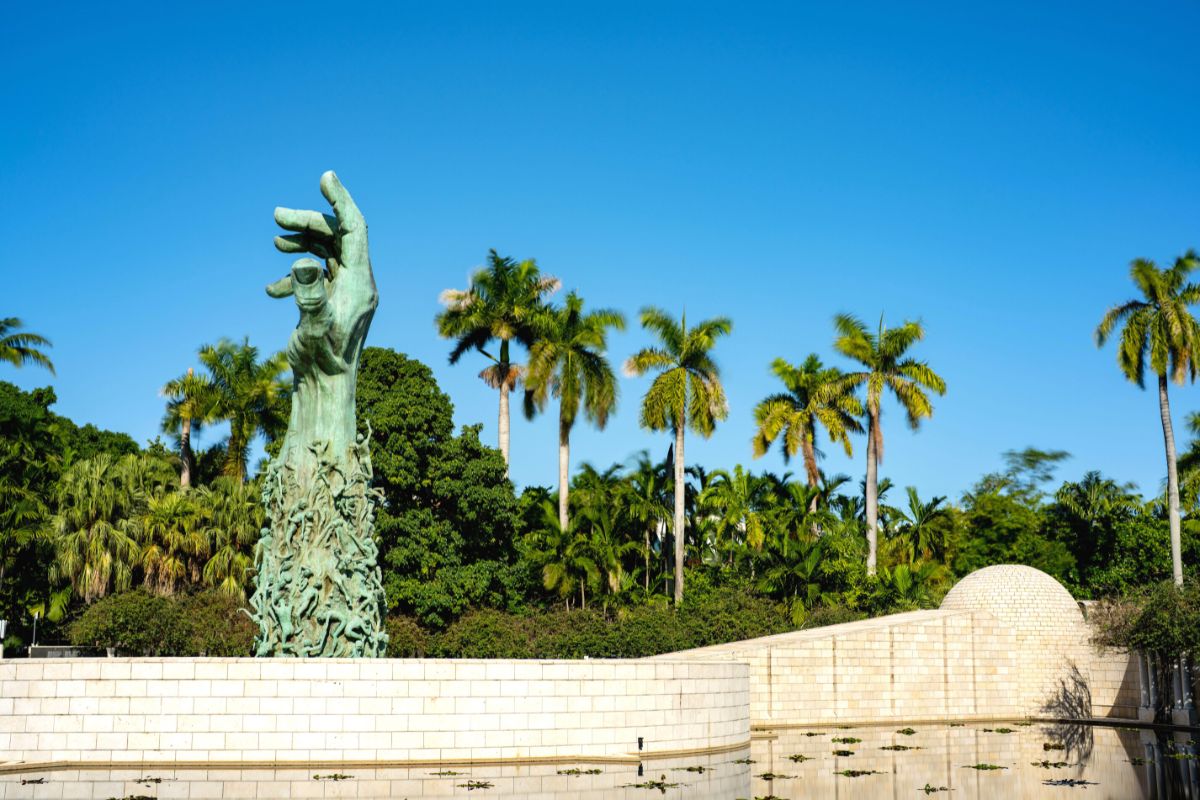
[1162,327]
[253,396]
[235,518]
[644,499]
[19,348]
[174,542]
[918,526]
[189,406]
[500,303]
[567,558]
[737,502]
[95,531]
[687,392]
[814,396]
[883,355]
[567,361]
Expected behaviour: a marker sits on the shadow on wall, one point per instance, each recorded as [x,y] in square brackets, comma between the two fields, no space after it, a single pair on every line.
[1072,699]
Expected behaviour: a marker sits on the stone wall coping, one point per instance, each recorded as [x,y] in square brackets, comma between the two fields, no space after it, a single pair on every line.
[826,631]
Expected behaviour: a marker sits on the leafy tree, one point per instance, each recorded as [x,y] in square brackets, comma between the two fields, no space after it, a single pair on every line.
[20,348]
[567,361]
[252,396]
[883,354]
[815,396]
[1001,528]
[1087,514]
[686,393]
[1160,326]
[499,304]
[448,525]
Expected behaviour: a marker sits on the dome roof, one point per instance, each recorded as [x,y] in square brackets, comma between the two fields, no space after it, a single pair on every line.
[1023,598]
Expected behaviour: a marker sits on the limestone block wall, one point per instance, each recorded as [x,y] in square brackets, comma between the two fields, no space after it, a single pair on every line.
[920,665]
[1114,684]
[288,710]
[990,652]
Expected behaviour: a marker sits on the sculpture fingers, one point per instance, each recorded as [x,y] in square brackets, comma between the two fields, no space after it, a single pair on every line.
[312,342]
[313,222]
[350,220]
[281,287]
[303,243]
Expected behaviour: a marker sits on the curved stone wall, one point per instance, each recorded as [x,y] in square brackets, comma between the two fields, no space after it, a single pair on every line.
[280,711]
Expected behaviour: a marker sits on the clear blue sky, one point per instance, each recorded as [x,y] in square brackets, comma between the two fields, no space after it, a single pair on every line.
[988,170]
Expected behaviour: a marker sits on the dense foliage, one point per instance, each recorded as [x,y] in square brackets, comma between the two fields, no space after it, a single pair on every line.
[151,551]
[139,623]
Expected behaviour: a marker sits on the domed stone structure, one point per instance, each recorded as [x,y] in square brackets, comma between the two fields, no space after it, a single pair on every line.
[1021,597]
[1051,637]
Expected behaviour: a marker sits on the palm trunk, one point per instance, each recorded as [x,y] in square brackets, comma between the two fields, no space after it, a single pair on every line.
[872,491]
[1164,409]
[646,546]
[185,454]
[564,472]
[503,424]
[812,473]
[679,514]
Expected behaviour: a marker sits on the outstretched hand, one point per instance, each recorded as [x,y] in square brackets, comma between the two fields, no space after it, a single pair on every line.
[336,301]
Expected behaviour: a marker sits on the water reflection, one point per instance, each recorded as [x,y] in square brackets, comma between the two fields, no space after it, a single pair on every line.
[1014,760]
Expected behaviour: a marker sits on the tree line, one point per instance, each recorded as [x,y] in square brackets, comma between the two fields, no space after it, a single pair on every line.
[87,513]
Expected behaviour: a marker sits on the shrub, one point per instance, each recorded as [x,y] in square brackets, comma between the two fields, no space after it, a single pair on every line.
[139,623]
[218,626]
[134,623]
[406,638]
[485,634]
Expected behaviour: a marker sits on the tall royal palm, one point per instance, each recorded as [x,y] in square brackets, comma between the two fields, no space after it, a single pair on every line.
[883,355]
[20,348]
[252,396]
[567,361]
[814,396]
[499,304]
[1160,328]
[189,406]
[686,393]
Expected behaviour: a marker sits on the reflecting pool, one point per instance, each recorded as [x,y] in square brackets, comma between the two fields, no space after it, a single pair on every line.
[974,760]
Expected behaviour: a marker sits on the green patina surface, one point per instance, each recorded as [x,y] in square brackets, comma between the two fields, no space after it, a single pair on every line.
[318,590]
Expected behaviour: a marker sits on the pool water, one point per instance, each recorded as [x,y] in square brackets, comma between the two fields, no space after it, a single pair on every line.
[973,760]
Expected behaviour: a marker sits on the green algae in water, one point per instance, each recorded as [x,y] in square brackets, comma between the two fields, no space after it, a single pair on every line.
[1049,764]
[858,773]
[846,740]
[447,773]
[660,784]
[1053,746]
[998,730]
[1068,782]
[799,758]
[909,731]
[472,785]
[931,789]
[984,767]
[335,776]
[775,776]
[899,747]
[576,771]
[744,761]
[843,752]
[814,733]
